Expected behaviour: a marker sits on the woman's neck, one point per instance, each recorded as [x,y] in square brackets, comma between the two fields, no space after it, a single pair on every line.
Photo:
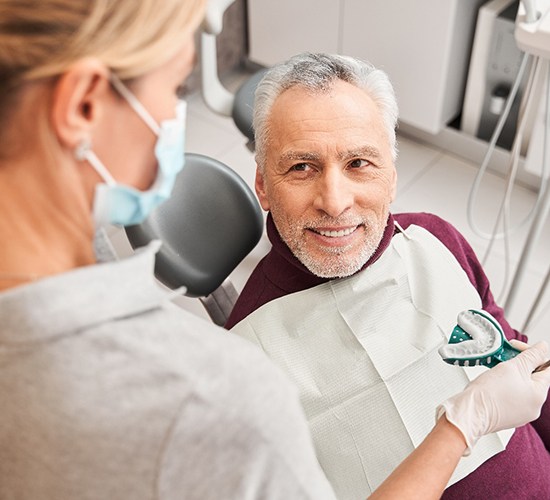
[41,225]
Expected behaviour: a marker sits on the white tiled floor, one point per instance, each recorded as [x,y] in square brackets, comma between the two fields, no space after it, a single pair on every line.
[430,180]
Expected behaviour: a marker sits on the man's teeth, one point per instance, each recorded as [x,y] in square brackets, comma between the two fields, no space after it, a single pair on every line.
[337,234]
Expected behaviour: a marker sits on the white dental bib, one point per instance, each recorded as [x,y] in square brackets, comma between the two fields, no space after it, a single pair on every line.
[363,352]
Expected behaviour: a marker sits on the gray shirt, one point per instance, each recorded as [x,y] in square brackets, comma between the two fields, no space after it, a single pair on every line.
[110,391]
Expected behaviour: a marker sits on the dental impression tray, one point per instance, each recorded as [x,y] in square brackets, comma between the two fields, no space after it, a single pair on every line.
[476,340]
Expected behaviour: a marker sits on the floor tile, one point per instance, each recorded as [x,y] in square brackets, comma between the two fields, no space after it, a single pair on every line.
[412,160]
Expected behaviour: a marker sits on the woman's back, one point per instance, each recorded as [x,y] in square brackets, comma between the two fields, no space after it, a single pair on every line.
[108,390]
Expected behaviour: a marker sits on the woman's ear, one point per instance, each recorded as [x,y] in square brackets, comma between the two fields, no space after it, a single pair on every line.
[78,99]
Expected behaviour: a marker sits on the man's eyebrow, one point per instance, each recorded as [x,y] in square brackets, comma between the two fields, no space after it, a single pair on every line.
[291,156]
[364,151]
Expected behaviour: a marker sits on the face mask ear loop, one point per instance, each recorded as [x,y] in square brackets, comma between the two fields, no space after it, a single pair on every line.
[83,152]
[135,104]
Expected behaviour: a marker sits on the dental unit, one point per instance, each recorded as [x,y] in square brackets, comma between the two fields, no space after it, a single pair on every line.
[532,36]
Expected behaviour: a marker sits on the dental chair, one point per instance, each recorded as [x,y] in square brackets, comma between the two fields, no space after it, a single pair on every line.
[209,225]
[218,98]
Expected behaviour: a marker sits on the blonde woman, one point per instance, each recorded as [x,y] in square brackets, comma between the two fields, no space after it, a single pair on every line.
[108,390]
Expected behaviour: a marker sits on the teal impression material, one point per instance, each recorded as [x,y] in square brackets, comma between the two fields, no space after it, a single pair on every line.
[477,339]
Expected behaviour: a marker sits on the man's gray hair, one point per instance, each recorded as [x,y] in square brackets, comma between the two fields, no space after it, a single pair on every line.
[317,73]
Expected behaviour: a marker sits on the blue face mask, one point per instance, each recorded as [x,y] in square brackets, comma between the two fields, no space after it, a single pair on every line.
[122,205]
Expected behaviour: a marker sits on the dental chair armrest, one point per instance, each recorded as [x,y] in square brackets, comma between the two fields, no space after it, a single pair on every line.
[220,302]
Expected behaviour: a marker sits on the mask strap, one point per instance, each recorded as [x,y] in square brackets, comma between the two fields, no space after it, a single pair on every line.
[134,103]
[83,152]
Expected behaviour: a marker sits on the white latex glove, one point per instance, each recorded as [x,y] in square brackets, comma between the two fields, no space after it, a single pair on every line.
[509,395]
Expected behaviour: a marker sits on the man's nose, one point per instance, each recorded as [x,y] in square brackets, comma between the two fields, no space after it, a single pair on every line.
[334,193]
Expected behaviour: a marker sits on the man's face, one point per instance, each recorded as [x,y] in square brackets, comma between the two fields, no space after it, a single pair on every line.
[329,177]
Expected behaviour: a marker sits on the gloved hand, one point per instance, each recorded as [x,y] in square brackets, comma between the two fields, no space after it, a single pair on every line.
[509,395]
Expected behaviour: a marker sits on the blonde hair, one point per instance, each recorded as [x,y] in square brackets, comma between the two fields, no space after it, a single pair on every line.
[41,38]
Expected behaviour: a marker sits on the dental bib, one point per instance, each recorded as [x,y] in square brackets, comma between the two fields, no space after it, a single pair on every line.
[363,352]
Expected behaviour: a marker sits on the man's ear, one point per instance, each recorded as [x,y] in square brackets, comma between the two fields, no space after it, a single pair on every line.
[394,185]
[260,189]
[77,101]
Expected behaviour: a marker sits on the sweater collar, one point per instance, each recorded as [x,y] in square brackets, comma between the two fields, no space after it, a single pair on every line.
[289,274]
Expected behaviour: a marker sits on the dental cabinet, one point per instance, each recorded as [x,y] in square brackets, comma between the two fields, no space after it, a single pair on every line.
[423,45]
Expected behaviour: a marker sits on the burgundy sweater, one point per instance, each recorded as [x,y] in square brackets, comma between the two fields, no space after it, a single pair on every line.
[522,471]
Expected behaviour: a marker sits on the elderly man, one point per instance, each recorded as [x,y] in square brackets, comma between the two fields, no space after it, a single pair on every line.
[352,301]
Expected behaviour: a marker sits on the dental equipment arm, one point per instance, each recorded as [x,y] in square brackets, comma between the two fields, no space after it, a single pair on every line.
[532,32]
[216,96]
[530,10]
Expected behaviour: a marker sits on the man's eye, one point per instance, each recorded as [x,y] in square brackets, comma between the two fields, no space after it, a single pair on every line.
[299,167]
[359,163]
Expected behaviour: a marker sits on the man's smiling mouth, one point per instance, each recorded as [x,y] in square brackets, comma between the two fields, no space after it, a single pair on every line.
[333,233]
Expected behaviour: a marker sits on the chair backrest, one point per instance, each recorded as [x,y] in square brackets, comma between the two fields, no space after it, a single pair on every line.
[243,106]
[208,226]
